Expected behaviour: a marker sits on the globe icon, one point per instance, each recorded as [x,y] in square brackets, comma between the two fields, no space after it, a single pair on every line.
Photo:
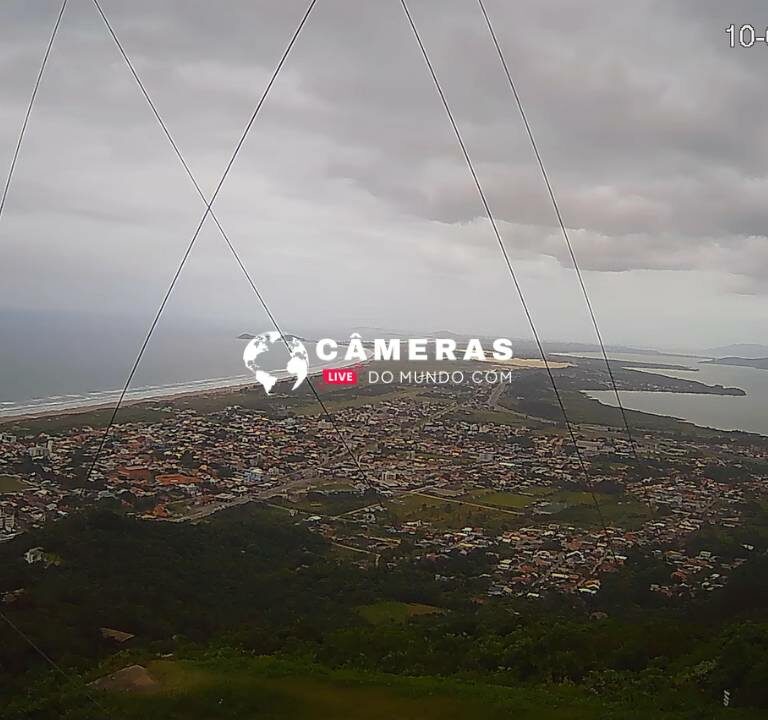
[264,354]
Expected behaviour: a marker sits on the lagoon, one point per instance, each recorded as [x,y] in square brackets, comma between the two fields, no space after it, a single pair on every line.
[748,413]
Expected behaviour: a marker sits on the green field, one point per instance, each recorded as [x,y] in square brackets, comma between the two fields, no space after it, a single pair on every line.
[621,510]
[452,515]
[390,611]
[577,497]
[496,417]
[510,500]
[335,503]
[179,507]
[353,399]
[12,484]
[573,507]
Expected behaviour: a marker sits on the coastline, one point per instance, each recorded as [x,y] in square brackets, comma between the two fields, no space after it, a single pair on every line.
[209,386]
[31,414]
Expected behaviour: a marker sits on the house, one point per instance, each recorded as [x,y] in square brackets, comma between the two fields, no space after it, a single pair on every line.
[116,635]
[34,555]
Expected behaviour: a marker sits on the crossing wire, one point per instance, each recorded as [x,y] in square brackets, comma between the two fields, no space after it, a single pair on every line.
[558,214]
[209,210]
[60,670]
[30,105]
[492,220]
[191,244]
[6,619]
[189,248]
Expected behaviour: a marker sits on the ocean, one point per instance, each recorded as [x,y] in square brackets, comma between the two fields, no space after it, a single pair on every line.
[47,365]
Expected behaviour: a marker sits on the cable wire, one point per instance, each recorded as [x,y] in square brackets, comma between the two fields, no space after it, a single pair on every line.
[224,235]
[6,619]
[54,664]
[192,242]
[508,263]
[558,214]
[36,87]
[566,237]
[208,211]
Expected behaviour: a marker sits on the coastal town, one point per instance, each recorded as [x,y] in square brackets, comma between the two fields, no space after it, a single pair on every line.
[419,475]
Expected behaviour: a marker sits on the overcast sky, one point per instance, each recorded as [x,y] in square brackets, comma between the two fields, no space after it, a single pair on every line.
[350,201]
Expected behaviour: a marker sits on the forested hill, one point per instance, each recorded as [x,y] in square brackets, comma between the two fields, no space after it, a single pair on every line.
[250,615]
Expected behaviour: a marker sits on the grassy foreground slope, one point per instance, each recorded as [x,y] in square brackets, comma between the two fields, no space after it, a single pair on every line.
[235,687]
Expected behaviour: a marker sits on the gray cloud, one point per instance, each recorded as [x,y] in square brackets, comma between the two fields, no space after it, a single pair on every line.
[351,184]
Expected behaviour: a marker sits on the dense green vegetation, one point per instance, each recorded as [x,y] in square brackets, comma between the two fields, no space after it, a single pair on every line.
[221,683]
[343,640]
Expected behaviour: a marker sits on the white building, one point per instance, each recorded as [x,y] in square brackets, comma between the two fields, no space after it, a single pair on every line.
[34,555]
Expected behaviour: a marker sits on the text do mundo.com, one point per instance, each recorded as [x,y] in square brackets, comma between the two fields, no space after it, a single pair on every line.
[352,376]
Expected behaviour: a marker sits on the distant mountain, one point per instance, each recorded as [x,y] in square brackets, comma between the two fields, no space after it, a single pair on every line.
[740,350]
[562,346]
[249,336]
[759,363]
[369,332]
[523,347]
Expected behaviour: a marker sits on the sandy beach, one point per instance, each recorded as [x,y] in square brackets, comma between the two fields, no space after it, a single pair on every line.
[108,399]
[530,363]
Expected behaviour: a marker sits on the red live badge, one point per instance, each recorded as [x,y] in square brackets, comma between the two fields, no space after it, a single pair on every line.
[340,376]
